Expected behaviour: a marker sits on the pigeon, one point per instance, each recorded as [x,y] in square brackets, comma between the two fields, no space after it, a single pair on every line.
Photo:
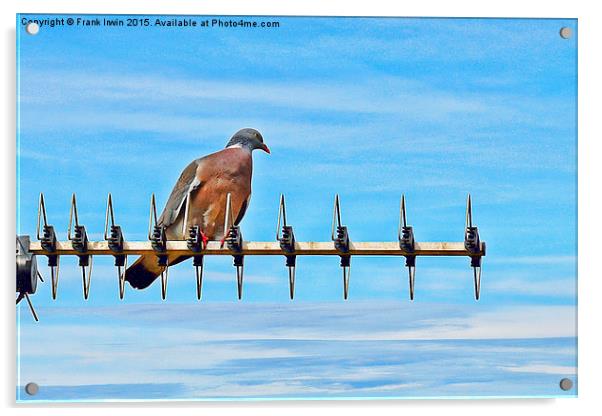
[207,181]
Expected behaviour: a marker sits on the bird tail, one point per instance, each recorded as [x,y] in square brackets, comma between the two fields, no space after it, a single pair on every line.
[145,270]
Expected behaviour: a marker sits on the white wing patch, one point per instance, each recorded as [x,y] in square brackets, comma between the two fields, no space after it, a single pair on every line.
[194,185]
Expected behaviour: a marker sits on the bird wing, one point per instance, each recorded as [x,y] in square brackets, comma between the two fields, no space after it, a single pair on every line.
[187,183]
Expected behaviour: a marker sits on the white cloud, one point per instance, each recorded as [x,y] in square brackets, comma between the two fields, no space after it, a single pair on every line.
[314,349]
[331,95]
[383,320]
[171,104]
[553,287]
[542,369]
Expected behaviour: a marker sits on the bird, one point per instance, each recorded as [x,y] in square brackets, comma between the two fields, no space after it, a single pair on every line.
[206,181]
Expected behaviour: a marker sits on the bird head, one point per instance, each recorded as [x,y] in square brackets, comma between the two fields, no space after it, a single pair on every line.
[249,139]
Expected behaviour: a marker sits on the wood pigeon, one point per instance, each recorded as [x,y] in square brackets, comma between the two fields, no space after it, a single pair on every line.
[208,181]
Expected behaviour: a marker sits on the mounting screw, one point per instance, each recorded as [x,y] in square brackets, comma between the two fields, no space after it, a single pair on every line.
[565,32]
[31,389]
[566,384]
[32,28]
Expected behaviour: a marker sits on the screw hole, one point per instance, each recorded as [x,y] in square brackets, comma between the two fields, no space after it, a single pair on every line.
[32,28]
[566,32]
[32,389]
[566,384]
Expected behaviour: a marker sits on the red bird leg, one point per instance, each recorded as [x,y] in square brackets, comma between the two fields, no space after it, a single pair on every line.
[222,241]
[205,239]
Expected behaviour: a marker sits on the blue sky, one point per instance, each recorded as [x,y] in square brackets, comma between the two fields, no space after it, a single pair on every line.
[303,350]
[368,108]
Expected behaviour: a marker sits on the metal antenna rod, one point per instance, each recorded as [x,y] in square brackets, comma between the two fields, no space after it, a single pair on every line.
[336,216]
[48,241]
[164,273]
[282,206]
[239,263]
[115,240]
[196,243]
[342,244]
[403,210]
[281,216]
[152,220]
[72,213]
[234,240]
[412,277]
[228,221]
[199,282]
[33,311]
[291,281]
[239,276]
[197,262]
[477,281]
[79,242]
[86,278]
[472,243]
[156,234]
[121,275]
[402,218]
[286,239]
[346,274]
[186,209]
[54,277]
[41,212]
[468,212]
[109,215]
[405,234]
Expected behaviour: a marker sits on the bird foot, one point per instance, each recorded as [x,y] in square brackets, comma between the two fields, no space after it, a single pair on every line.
[205,240]
[222,242]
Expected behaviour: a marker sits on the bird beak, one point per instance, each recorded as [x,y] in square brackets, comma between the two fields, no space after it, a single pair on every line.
[266,149]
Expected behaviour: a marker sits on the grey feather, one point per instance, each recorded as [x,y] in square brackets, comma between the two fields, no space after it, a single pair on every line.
[187,183]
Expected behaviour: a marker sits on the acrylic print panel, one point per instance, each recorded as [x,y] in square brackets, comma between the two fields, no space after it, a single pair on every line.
[366,108]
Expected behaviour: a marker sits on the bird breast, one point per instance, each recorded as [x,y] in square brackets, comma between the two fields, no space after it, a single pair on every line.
[229,174]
